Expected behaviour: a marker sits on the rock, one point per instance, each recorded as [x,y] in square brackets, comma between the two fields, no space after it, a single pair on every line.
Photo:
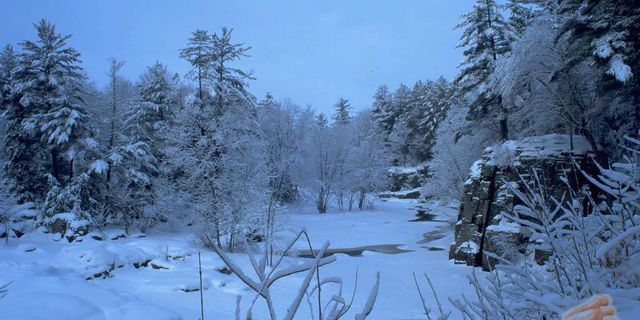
[408,194]
[224,270]
[159,265]
[403,178]
[488,193]
[26,247]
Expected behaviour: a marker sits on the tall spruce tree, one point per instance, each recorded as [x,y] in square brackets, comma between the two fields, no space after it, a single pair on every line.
[342,115]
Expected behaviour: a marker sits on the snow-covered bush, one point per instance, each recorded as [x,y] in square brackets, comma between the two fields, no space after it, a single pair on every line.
[69,210]
[580,245]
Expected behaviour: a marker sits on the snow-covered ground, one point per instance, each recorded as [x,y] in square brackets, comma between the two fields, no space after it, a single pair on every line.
[153,277]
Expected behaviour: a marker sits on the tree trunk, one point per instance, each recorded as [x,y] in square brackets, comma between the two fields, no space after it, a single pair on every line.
[361,200]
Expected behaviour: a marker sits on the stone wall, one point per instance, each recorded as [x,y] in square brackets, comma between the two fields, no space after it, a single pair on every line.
[488,192]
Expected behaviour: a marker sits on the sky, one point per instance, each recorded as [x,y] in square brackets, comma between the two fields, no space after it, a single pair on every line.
[312,52]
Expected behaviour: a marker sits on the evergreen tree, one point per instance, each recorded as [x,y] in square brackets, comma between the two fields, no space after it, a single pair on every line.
[25,165]
[50,79]
[8,62]
[218,152]
[485,39]
[321,120]
[382,110]
[199,53]
[605,34]
[342,114]
[519,17]
[229,83]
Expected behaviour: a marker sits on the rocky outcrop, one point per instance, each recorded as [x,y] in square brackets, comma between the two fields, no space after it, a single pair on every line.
[481,227]
[406,178]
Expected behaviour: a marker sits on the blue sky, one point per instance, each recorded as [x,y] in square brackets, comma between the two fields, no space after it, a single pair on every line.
[310,51]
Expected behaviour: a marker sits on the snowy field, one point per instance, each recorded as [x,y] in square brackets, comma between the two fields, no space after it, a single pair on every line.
[154,276]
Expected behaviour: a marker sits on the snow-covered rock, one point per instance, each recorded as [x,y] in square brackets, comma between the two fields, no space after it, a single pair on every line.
[488,192]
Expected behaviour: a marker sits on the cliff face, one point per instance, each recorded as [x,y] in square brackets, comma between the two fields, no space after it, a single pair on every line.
[488,192]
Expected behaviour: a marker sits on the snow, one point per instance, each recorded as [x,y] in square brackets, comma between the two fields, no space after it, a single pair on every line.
[469,247]
[50,282]
[475,172]
[536,147]
[504,226]
[99,166]
[405,170]
[620,70]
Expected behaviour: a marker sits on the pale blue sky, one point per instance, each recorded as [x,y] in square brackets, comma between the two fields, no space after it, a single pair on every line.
[310,51]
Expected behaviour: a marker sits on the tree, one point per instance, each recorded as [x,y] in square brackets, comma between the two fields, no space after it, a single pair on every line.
[229,82]
[321,120]
[603,34]
[199,53]
[485,39]
[382,110]
[342,114]
[113,72]
[519,17]
[218,152]
[368,160]
[50,78]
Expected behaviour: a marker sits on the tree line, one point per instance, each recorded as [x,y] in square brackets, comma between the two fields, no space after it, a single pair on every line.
[198,149]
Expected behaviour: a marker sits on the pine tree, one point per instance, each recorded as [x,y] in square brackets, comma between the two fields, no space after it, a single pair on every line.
[25,166]
[342,114]
[199,53]
[229,83]
[50,80]
[382,110]
[8,62]
[519,17]
[485,39]
[217,150]
[605,34]
[321,120]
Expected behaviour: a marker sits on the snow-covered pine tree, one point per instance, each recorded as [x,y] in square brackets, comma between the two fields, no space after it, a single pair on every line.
[8,62]
[520,14]
[401,132]
[219,154]
[49,79]
[342,115]
[382,110]
[229,83]
[139,162]
[485,39]
[199,53]
[26,163]
[604,33]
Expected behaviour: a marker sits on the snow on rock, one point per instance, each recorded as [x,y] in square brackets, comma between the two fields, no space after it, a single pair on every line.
[537,147]
[195,285]
[489,191]
[26,247]
[469,247]
[504,226]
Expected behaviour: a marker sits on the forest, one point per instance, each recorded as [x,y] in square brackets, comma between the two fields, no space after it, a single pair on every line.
[186,196]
